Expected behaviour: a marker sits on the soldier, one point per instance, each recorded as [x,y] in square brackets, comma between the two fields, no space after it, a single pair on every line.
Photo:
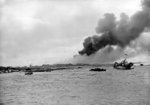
[124,62]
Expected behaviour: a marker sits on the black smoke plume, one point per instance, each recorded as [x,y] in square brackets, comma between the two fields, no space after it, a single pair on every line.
[119,33]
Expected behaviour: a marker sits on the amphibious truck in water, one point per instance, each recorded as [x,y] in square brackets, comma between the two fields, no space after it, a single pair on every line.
[123,65]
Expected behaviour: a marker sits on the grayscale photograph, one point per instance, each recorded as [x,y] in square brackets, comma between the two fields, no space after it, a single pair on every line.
[74,52]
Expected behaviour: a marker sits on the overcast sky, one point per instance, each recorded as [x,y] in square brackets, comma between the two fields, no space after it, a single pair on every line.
[51,31]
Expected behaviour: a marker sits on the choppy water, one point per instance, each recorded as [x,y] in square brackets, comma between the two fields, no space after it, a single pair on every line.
[77,87]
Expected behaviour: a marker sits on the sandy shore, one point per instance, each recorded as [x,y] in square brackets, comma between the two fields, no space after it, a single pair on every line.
[77,87]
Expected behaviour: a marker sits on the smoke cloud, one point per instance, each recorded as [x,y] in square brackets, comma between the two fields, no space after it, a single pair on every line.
[106,55]
[118,33]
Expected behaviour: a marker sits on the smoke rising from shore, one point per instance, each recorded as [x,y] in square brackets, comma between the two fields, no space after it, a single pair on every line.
[118,33]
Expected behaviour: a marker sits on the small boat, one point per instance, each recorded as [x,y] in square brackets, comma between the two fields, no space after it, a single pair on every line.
[98,69]
[28,71]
